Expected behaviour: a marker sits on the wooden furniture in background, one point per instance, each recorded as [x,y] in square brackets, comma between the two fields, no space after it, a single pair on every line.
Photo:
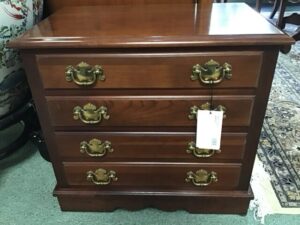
[280,7]
[121,130]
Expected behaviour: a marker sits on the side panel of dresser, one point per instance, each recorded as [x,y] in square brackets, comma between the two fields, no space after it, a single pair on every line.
[39,98]
[259,109]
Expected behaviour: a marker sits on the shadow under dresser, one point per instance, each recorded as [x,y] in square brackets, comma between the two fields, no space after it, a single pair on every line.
[117,89]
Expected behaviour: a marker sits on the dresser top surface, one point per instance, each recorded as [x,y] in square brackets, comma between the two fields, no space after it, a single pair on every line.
[153,25]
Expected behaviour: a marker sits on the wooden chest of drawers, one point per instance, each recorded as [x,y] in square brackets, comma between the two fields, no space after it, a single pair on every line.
[117,89]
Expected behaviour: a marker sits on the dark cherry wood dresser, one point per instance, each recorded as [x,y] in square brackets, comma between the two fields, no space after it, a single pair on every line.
[117,89]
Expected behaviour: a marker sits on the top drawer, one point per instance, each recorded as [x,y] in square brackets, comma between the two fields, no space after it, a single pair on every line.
[152,70]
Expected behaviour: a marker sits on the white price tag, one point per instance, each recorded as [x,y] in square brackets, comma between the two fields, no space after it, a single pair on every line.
[209,129]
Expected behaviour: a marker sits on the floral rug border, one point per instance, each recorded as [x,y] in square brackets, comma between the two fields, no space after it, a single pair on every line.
[279,147]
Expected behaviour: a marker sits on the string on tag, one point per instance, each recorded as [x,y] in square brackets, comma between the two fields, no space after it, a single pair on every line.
[211,96]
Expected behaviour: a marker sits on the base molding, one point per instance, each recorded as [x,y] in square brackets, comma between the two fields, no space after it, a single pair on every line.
[229,202]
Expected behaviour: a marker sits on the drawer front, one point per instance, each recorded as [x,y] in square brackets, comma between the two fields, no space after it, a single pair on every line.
[97,146]
[154,175]
[159,70]
[141,111]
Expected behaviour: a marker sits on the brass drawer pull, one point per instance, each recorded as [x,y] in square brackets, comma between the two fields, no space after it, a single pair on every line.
[211,72]
[84,74]
[89,114]
[95,147]
[200,152]
[205,106]
[201,177]
[101,176]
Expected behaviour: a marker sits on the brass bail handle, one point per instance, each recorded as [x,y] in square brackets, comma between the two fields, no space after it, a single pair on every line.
[211,72]
[101,176]
[95,147]
[206,106]
[84,75]
[201,177]
[200,152]
[90,114]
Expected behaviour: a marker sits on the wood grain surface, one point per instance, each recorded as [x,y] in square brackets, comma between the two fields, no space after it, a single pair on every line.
[153,25]
[157,70]
[148,110]
[75,199]
[147,146]
[154,175]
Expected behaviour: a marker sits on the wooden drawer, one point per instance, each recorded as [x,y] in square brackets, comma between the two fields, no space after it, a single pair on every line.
[154,175]
[151,70]
[146,111]
[74,146]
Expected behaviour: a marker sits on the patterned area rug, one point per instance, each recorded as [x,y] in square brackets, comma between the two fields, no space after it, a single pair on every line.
[279,148]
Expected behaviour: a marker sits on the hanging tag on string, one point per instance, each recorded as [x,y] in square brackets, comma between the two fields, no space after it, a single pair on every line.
[209,129]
